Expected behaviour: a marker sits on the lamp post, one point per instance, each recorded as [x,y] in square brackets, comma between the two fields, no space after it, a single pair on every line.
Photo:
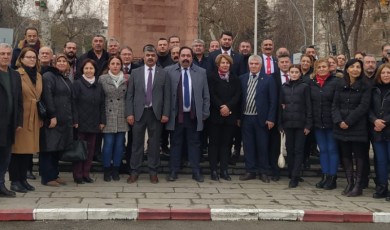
[300,18]
[314,18]
[255,31]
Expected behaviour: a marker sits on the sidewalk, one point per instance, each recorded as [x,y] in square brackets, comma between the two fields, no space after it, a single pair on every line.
[186,199]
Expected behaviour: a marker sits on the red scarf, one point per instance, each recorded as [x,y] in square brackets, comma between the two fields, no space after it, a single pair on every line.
[224,75]
[321,79]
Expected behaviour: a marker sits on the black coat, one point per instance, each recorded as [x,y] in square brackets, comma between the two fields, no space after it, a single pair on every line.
[321,101]
[351,104]
[296,105]
[237,68]
[226,93]
[8,125]
[88,104]
[380,109]
[101,63]
[57,96]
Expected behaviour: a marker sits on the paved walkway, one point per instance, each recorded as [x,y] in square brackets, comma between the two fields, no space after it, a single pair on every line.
[187,194]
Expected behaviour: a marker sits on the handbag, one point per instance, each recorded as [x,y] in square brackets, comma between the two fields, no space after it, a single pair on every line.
[77,151]
[281,161]
[42,112]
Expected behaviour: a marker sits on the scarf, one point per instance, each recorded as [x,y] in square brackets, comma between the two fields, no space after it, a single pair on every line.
[90,81]
[116,79]
[31,72]
[224,75]
[321,79]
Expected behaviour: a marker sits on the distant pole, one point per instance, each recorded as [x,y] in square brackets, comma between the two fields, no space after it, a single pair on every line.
[255,32]
[300,18]
[314,18]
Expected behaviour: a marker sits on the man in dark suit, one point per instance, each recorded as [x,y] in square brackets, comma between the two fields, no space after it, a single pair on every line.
[126,55]
[147,107]
[226,41]
[259,102]
[11,112]
[198,46]
[270,63]
[97,53]
[190,106]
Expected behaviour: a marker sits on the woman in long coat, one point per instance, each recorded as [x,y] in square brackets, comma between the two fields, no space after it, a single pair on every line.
[57,130]
[26,139]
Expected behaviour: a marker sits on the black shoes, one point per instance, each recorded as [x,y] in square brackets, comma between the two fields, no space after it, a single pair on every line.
[28,186]
[275,178]
[197,177]
[30,175]
[18,187]
[107,175]
[87,179]
[380,192]
[225,175]
[4,192]
[263,177]
[172,176]
[214,175]
[330,183]
[115,174]
[248,176]
[321,183]
[79,181]
[293,183]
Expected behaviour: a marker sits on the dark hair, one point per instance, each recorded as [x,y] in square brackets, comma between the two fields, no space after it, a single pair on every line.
[186,47]
[359,52]
[173,36]
[228,33]
[31,28]
[86,62]
[283,55]
[162,39]
[349,63]
[384,45]
[99,36]
[149,48]
[112,57]
[308,56]
[23,53]
[295,66]
[125,47]
[66,43]
[378,79]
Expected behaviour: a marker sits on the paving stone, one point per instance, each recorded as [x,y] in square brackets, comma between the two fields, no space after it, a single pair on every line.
[164,201]
[375,206]
[270,196]
[108,201]
[317,197]
[131,195]
[240,190]
[84,194]
[221,184]
[146,189]
[196,190]
[232,206]
[209,201]
[112,205]
[171,195]
[36,194]
[223,196]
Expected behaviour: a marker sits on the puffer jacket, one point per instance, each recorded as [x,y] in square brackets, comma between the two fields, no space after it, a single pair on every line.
[380,109]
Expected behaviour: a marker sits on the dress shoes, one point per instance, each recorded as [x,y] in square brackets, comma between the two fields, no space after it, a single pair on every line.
[214,175]
[4,192]
[18,187]
[248,176]
[28,186]
[53,183]
[61,181]
[132,179]
[172,176]
[78,181]
[30,175]
[153,179]
[87,179]
[225,175]
[264,178]
[197,177]
[293,183]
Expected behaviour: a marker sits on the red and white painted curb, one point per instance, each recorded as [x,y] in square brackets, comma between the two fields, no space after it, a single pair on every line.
[191,214]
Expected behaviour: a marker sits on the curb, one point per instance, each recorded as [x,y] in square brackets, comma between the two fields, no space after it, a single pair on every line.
[192,214]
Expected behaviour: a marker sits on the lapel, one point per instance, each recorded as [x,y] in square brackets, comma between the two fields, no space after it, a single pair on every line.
[155,79]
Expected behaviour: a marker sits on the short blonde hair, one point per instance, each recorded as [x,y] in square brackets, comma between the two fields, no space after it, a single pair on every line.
[226,56]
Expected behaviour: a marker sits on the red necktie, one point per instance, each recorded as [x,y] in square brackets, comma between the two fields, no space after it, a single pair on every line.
[268,65]
[286,77]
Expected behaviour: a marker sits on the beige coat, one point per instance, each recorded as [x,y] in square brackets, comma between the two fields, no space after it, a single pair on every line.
[27,139]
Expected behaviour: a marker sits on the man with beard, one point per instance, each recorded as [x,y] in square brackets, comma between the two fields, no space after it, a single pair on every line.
[70,50]
[31,39]
[164,59]
[198,48]
[245,49]
[226,41]
[311,51]
[190,106]
[97,53]
[113,46]
[369,66]
[175,54]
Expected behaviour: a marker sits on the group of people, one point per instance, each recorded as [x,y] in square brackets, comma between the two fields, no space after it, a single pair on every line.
[187,102]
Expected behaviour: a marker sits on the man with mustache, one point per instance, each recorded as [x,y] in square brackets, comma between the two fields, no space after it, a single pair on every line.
[175,54]
[190,106]
[97,53]
[31,39]
[70,50]
[147,108]
[199,59]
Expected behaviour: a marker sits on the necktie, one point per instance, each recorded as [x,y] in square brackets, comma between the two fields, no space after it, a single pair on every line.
[286,77]
[126,70]
[268,65]
[186,90]
[149,86]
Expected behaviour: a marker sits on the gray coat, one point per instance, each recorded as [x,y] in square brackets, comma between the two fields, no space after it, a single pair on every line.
[200,92]
[114,105]
[135,99]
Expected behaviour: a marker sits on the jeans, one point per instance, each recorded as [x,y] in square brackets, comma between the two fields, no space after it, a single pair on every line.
[382,153]
[113,148]
[329,153]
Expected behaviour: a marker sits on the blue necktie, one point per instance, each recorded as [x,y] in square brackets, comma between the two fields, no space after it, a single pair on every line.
[186,90]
